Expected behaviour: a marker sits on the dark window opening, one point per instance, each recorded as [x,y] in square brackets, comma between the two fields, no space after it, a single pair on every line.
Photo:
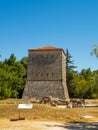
[36,74]
[52,56]
[42,74]
[47,74]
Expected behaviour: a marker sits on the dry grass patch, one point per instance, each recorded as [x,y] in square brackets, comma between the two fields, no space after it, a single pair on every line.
[47,113]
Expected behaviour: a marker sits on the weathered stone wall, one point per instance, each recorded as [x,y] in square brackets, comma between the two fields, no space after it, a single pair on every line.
[40,89]
[64,75]
[44,65]
[46,75]
[63,67]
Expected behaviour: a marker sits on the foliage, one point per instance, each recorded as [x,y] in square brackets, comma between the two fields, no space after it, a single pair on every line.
[95,50]
[12,78]
[83,84]
[95,85]
[70,74]
[69,62]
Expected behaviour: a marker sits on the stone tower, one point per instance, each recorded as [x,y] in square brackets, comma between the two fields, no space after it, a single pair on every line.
[46,74]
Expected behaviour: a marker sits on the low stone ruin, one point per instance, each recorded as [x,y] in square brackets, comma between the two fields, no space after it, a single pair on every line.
[77,102]
[71,103]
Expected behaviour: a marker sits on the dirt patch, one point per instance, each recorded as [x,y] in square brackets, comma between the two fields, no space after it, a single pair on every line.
[6,124]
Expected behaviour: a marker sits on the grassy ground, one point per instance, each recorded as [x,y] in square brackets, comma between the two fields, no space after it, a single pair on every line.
[9,110]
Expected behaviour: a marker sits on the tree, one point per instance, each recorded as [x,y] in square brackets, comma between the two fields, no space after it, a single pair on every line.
[0,62]
[95,50]
[69,63]
[24,61]
[11,60]
[12,78]
[95,84]
[70,74]
[5,90]
[84,88]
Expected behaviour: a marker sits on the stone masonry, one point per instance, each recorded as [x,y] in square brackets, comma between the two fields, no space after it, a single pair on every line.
[46,74]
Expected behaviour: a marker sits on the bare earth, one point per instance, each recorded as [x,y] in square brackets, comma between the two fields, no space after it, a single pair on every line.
[6,124]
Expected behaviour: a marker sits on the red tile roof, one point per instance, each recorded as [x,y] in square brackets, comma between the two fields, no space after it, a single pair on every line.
[47,48]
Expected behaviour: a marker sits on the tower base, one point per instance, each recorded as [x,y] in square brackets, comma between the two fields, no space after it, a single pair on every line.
[39,89]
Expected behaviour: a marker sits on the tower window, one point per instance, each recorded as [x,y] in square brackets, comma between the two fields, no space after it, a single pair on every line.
[36,74]
[41,56]
[42,74]
[47,74]
[52,74]
[52,56]
[38,56]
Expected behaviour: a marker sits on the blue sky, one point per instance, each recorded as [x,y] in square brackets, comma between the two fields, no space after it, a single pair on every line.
[71,24]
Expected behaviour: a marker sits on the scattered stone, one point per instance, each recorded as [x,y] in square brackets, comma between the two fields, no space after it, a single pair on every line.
[61,106]
[33,100]
[86,117]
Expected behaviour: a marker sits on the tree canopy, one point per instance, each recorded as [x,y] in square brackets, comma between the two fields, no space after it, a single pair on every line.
[83,84]
[95,50]
[12,78]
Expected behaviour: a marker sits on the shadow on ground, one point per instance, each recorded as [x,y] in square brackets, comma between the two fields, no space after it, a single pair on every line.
[77,126]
